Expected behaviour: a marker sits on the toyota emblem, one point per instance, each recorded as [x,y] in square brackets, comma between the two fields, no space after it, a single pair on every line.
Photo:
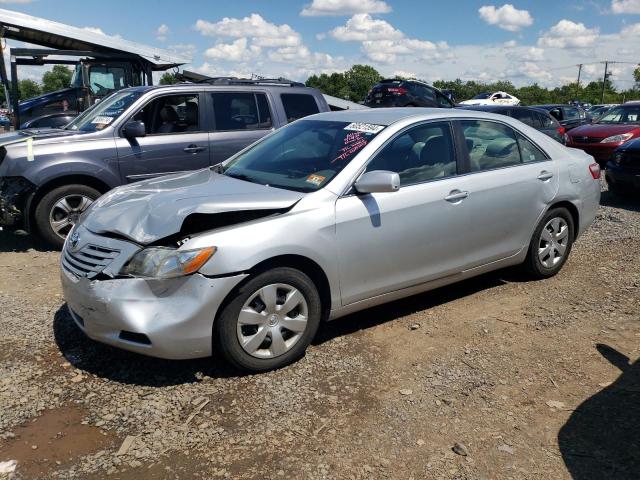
[74,240]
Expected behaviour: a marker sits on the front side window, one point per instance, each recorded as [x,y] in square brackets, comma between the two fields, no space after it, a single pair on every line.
[103,113]
[170,114]
[443,101]
[304,156]
[420,154]
[104,80]
[238,111]
[572,113]
[298,105]
[490,145]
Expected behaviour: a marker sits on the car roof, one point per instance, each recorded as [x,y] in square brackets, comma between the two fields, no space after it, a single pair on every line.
[387,116]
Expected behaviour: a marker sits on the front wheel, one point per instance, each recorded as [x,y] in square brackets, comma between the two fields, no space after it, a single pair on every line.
[270,321]
[551,244]
[59,210]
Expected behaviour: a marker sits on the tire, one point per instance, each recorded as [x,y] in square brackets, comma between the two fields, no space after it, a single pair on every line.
[544,264]
[74,198]
[260,327]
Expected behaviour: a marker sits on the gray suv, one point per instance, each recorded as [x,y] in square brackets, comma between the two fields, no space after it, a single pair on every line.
[49,177]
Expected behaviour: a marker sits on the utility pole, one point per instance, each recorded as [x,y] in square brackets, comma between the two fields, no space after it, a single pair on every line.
[604,80]
[578,82]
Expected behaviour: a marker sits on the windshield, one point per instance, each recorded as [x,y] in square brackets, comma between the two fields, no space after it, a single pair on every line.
[303,156]
[103,113]
[481,96]
[621,115]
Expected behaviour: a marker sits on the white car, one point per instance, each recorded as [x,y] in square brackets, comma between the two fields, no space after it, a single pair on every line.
[497,98]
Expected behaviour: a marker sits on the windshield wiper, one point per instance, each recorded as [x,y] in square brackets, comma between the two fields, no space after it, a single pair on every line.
[241,176]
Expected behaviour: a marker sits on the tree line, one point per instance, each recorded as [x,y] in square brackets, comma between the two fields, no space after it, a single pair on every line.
[355,83]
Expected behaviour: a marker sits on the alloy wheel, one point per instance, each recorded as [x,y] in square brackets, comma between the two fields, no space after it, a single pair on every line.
[66,211]
[554,240]
[272,320]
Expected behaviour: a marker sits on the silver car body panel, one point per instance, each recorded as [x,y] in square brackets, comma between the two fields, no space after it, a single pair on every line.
[372,248]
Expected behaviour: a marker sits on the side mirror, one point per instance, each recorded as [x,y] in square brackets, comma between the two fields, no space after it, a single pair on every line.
[378,181]
[134,129]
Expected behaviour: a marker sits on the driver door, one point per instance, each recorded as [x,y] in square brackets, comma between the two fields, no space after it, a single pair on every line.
[394,240]
[176,139]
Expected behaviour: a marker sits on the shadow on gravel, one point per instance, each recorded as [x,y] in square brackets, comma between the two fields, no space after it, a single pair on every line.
[128,367]
[608,199]
[416,303]
[601,439]
[14,242]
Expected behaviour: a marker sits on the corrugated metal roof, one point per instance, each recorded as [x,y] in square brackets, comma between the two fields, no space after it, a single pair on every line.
[343,104]
[50,34]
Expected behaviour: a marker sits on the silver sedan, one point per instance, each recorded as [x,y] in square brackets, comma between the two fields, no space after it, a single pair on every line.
[330,215]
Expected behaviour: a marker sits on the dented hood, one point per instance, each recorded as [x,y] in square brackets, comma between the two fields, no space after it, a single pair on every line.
[154,209]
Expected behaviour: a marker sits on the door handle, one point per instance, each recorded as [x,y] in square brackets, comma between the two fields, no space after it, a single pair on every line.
[456,196]
[544,176]
[193,149]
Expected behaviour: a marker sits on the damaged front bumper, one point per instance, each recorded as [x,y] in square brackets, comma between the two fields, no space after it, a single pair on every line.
[166,318]
[170,319]
[15,195]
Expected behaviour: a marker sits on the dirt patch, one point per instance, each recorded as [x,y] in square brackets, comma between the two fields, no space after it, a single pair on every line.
[52,441]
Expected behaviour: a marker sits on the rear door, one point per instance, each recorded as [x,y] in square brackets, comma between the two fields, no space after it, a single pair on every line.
[239,119]
[175,142]
[510,181]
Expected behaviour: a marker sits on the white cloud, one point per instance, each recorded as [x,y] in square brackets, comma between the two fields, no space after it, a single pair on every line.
[362,27]
[403,74]
[344,7]
[15,1]
[506,17]
[234,52]
[186,49]
[568,34]
[510,44]
[161,32]
[620,7]
[261,46]
[97,30]
[262,33]
[382,42]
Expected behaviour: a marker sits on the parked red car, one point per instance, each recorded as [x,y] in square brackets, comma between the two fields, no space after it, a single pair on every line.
[617,126]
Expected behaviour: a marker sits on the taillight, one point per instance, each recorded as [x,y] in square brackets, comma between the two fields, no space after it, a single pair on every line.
[397,90]
[561,130]
[594,168]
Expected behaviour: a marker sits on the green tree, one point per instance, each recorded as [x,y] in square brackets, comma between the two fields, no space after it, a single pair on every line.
[360,79]
[28,89]
[168,78]
[636,76]
[57,78]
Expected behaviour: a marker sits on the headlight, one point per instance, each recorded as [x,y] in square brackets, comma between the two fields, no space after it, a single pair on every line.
[166,262]
[623,137]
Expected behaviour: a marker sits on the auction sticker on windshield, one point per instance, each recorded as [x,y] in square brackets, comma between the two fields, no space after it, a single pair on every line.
[364,127]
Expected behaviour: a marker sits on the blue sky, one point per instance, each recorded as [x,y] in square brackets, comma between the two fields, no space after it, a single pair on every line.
[521,41]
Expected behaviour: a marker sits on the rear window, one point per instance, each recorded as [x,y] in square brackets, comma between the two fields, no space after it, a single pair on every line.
[298,105]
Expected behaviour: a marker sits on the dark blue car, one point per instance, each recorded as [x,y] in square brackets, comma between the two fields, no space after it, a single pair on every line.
[623,169]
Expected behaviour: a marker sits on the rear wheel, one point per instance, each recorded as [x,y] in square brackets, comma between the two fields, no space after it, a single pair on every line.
[270,321]
[59,210]
[551,244]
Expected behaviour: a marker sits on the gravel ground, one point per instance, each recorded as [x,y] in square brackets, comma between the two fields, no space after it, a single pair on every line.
[497,377]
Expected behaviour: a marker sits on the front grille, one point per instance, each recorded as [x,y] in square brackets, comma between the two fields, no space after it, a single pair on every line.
[89,261]
[578,139]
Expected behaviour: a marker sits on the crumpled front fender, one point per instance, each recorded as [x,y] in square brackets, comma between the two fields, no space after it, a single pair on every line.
[14,200]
